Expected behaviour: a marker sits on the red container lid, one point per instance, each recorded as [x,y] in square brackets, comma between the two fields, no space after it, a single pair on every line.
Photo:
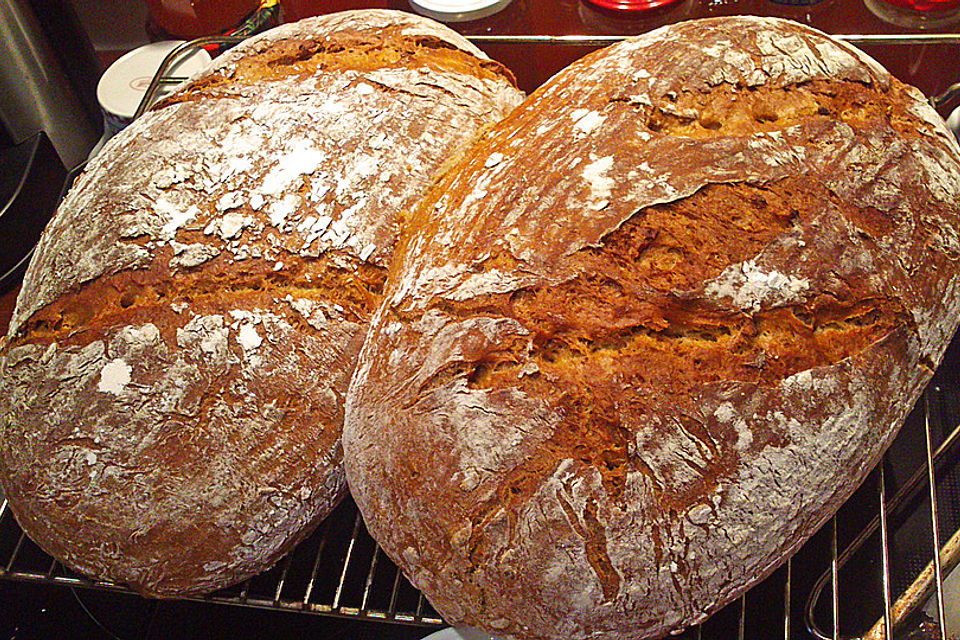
[631,5]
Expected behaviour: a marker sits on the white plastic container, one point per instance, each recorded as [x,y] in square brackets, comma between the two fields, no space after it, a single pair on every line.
[122,86]
[458,10]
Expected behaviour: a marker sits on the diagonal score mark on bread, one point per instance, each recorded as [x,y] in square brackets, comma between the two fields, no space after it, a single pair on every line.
[633,310]
[346,287]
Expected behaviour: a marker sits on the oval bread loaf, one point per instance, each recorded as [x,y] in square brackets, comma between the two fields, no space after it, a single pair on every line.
[653,329]
[172,381]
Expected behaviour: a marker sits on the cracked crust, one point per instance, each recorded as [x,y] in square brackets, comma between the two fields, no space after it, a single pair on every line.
[171,388]
[653,329]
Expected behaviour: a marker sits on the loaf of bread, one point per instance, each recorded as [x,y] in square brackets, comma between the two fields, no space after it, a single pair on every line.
[171,386]
[653,329]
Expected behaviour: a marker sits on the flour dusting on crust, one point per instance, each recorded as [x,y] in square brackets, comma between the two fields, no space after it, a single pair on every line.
[626,497]
[174,378]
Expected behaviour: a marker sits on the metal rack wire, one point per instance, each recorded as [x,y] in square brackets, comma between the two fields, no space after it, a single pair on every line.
[929,582]
[340,571]
[867,570]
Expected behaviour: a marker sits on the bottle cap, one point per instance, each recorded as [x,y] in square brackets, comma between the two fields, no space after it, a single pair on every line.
[631,5]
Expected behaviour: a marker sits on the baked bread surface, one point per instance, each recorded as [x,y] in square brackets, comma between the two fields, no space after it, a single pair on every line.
[653,329]
[171,388]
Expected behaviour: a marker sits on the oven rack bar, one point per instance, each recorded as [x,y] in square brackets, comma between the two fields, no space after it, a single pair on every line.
[932,578]
[603,40]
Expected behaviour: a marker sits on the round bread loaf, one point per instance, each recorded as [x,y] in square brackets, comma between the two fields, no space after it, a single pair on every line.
[172,381]
[653,329]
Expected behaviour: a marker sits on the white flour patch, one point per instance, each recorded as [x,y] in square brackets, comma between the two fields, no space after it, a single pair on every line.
[232,224]
[114,377]
[230,200]
[192,255]
[601,186]
[176,217]
[281,209]
[725,412]
[291,167]
[493,160]
[586,122]
[248,337]
[750,287]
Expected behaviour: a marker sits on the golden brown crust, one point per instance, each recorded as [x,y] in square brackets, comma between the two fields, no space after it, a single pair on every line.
[171,393]
[654,327]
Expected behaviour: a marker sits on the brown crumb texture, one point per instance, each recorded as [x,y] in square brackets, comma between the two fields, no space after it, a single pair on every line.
[620,320]
[359,52]
[632,297]
[134,297]
[734,110]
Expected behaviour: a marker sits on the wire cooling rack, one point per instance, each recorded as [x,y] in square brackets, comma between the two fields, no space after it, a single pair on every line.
[338,571]
[872,567]
[849,577]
